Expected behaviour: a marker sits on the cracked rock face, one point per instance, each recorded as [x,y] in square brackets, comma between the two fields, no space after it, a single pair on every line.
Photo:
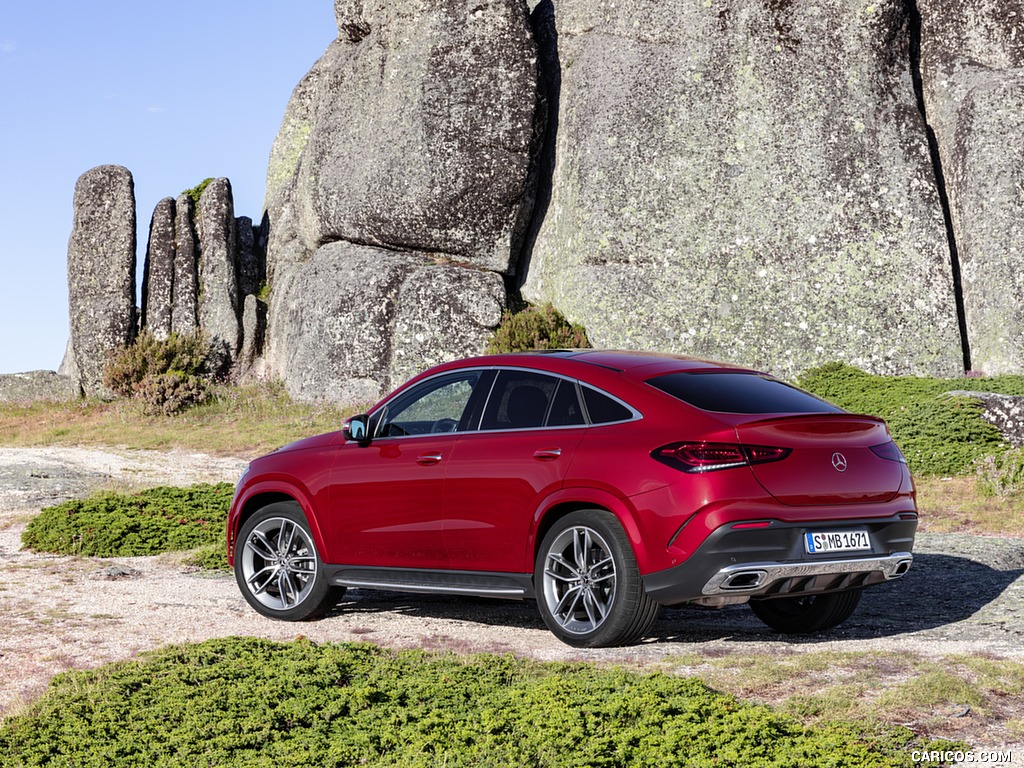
[972,70]
[414,134]
[748,181]
[101,274]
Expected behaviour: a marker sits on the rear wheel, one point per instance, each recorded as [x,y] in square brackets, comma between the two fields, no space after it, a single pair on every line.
[812,613]
[278,568]
[589,589]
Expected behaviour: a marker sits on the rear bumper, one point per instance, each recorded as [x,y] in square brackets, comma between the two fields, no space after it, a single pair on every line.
[737,564]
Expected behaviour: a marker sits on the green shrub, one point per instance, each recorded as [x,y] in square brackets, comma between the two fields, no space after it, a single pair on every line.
[536,328]
[939,434]
[212,557]
[255,703]
[169,393]
[166,374]
[156,520]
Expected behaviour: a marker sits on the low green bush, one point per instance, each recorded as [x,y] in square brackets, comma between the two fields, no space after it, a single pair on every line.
[166,375]
[536,328]
[147,356]
[170,393]
[939,434]
[254,703]
[156,520]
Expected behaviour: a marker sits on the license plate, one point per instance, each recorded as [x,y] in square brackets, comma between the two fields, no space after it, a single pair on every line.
[836,541]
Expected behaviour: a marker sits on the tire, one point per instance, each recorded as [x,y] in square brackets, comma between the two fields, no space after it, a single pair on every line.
[589,589]
[802,615]
[278,568]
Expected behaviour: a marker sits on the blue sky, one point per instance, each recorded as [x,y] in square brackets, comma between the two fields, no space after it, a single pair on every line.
[174,92]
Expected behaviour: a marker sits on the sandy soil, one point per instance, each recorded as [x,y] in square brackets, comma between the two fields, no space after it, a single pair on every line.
[965,594]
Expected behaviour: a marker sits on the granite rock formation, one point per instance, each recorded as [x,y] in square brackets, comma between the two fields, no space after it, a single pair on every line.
[748,181]
[356,320]
[414,133]
[101,274]
[219,306]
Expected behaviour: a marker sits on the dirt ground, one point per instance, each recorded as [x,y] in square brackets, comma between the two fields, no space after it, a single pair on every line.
[964,595]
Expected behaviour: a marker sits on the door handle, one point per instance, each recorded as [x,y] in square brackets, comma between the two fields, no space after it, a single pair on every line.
[429,458]
[547,454]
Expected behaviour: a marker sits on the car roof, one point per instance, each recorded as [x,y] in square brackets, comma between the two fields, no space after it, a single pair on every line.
[633,364]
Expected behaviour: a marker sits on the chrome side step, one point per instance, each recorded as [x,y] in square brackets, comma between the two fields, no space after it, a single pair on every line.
[508,586]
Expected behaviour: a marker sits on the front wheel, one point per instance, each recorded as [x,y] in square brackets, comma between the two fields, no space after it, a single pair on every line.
[277,566]
[589,589]
[812,613]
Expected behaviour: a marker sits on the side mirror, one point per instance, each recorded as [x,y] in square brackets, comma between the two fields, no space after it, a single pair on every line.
[356,428]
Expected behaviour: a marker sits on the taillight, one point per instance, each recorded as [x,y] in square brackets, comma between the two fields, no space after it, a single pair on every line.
[888,451]
[708,457]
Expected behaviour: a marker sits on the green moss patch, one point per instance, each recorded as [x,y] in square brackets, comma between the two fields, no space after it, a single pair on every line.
[156,520]
[244,701]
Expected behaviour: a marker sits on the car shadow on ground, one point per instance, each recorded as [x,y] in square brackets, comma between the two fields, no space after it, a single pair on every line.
[939,592]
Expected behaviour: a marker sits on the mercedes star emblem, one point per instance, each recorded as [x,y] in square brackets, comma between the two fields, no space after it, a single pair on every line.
[839,462]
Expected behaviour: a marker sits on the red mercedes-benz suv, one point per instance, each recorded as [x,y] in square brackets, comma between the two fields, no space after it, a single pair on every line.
[601,484]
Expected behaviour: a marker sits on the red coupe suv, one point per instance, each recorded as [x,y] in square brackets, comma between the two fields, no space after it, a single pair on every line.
[602,484]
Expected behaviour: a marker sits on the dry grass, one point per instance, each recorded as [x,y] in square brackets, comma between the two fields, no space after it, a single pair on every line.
[974,698]
[239,421]
[956,505]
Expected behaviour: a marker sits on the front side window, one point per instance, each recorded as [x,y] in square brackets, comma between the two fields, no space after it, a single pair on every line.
[433,407]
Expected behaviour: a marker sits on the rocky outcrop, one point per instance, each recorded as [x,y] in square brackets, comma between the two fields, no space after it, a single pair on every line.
[354,320]
[36,385]
[972,78]
[158,275]
[219,305]
[413,133]
[748,181]
[1004,412]
[101,274]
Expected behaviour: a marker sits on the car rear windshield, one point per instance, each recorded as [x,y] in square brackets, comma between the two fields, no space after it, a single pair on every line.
[729,392]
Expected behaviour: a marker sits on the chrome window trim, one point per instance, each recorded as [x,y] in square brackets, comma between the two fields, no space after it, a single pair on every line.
[635,414]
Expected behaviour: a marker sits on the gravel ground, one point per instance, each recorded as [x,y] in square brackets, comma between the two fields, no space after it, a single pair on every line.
[964,595]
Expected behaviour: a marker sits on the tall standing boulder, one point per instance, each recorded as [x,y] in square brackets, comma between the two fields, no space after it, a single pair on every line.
[219,305]
[746,180]
[972,74]
[185,312]
[101,274]
[413,134]
[158,273]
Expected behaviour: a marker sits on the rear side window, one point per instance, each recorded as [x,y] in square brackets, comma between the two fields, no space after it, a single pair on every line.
[740,393]
[603,409]
[519,400]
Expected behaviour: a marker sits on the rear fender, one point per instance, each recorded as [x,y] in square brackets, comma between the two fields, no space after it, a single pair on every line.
[567,500]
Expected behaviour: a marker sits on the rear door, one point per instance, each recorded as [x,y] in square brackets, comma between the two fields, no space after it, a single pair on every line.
[499,475]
